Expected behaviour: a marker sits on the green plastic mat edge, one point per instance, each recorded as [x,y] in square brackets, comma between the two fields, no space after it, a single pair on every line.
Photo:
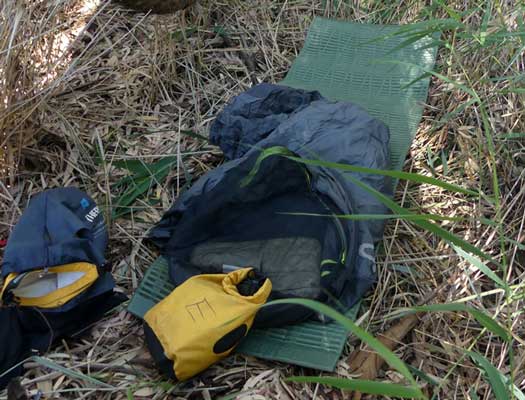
[344,61]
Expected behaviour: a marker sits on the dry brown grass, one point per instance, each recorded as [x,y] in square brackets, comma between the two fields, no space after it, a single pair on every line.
[84,88]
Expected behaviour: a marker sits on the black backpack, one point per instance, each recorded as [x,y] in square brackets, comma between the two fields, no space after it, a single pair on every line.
[56,280]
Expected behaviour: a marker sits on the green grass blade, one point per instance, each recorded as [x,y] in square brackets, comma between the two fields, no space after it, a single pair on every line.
[452,114]
[420,77]
[485,320]
[361,385]
[427,28]
[269,152]
[194,135]
[473,394]
[69,372]
[451,12]
[484,117]
[480,265]
[420,374]
[365,337]
[411,39]
[135,166]
[366,217]
[140,169]
[517,55]
[409,176]
[456,84]
[182,34]
[512,135]
[485,22]
[518,393]
[512,90]
[134,190]
[145,176]
[494,377]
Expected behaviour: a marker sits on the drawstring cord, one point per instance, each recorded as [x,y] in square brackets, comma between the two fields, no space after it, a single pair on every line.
[52,337]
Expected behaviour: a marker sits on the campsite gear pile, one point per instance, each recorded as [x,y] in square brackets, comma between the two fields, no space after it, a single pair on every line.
[282,221]
[272,214]
[56,280]
[371,65]
[226,222]
[203,320]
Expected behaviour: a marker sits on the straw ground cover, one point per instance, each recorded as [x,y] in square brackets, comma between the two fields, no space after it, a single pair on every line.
[118,104]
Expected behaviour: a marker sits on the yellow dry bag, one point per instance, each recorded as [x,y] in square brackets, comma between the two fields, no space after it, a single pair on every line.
[203,320]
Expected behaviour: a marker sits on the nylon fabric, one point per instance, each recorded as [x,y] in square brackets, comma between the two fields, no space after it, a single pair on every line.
[285,199]
[56,279]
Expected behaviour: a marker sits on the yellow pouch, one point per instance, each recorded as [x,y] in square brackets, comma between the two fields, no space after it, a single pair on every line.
[51,287]
[202,321]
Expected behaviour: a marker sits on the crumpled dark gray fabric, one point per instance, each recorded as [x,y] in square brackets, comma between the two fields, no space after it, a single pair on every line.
[253,115]
[315,128]
[312,127]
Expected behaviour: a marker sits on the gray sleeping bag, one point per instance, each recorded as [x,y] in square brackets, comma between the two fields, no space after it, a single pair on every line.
[283,221]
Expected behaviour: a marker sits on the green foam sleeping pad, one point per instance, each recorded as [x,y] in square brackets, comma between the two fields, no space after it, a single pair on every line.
[364,64]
